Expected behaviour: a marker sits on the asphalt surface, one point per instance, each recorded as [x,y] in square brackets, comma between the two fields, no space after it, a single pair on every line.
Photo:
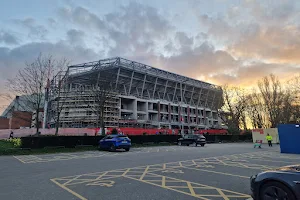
[216,171]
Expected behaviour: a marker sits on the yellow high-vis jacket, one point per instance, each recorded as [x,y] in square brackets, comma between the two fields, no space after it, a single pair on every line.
[269,138]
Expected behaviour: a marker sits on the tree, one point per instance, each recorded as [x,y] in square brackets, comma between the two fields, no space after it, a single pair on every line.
[277,100]
[30,83]
[255,110]
[97,96]
[234,108]
[60,91]
[294,85]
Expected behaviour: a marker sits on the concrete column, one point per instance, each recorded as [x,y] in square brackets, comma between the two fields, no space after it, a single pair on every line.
[197,120]
[158,109]
[146,110]
[134,106]
[188,114]
[169,111]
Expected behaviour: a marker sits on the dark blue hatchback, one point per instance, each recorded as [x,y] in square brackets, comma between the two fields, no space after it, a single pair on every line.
[113,142]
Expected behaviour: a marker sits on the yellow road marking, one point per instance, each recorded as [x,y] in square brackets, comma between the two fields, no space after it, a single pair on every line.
[99,177]
[127,170]
[272,160]
[217,172]
[191,188]
[69,190]
[144,173]
[179,162]
[71,180]
[222,194]
[166,188]
[207,186]
[163,181]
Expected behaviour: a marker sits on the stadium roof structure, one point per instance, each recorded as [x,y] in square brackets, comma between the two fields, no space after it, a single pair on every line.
[143,81]
[135,66]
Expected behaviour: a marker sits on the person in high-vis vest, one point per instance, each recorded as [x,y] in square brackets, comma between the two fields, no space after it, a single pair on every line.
[269,139]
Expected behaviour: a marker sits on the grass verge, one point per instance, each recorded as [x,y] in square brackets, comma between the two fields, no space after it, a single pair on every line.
[13,147]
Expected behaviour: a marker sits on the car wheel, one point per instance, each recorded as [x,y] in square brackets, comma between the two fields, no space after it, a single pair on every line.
[179,143]
[202,145]
[275,190]
[127,149]
[112,148]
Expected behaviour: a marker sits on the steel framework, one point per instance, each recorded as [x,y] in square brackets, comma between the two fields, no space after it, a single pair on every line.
[133,79]
[143,81]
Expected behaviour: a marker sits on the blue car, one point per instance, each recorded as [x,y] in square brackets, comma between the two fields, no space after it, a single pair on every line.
[113,142]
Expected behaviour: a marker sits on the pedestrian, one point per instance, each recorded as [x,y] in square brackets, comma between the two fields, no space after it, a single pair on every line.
[269,139]
[11,136]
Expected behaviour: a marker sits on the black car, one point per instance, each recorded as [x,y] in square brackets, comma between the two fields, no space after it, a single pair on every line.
[278,184]
[192,140]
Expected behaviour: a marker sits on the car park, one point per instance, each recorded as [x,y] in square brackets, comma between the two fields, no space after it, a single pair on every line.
[192,140]
[279,184]
[113,142]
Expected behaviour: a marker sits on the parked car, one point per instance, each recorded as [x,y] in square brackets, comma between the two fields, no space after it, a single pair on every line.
[192,140]
[113,142]
[281,184]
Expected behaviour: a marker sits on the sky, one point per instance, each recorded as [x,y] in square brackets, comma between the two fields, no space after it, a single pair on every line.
[219,41]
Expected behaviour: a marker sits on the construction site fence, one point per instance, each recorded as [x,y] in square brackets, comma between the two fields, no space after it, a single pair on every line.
[74,141]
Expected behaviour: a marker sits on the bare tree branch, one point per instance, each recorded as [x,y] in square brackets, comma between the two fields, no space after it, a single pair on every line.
[30,83]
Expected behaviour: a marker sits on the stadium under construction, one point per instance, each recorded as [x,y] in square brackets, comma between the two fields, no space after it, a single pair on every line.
[145,97]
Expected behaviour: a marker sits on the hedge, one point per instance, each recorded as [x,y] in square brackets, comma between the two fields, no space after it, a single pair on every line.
[73,141]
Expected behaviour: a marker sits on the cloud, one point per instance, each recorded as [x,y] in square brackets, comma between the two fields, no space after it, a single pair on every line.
[52,22]
[11,60]
[75,37]
[276,44]
[81,16]
[202,60]
[133,29]
[263,31]
[136,29]
[248,74]
[35,31]
[184,41]
[8,38]
[273,12]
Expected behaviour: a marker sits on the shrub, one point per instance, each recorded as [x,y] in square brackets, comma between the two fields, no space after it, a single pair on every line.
[16,142]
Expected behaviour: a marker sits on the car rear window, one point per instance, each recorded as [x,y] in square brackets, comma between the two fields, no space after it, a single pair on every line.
[122,136]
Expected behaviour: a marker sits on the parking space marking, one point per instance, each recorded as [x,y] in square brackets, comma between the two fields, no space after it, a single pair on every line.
[150,174]
[19,159]
[79,155]
[216,172]
[69,190]
[143,174]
